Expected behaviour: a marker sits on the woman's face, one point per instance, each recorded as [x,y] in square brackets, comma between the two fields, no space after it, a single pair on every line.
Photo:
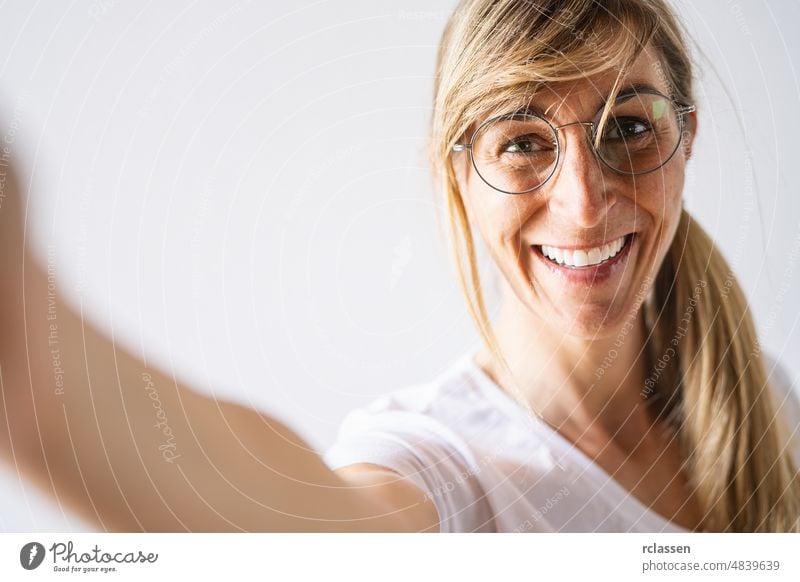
[583,206]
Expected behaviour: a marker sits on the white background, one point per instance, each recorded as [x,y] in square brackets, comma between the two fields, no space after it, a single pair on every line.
[240,190]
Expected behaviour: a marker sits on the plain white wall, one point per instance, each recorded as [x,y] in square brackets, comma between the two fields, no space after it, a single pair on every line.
[239,189]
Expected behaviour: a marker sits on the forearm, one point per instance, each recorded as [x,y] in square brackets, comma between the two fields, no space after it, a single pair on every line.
[129,448]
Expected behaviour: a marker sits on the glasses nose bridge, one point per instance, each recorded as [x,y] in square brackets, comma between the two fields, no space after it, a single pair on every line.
[589,124]
[589,135]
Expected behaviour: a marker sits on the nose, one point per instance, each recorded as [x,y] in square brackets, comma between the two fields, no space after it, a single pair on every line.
[581,191]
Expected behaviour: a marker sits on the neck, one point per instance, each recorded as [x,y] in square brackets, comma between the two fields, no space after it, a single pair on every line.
[570,381]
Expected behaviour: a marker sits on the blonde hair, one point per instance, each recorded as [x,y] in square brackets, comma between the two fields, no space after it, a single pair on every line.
[494,54]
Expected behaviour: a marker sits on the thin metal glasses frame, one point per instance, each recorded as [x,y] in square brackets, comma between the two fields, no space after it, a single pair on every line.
[680,108]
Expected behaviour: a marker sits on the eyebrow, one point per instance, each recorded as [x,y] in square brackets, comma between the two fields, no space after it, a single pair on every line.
[635,87]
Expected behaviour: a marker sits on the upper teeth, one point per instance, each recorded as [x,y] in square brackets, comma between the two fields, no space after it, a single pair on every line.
[583,258]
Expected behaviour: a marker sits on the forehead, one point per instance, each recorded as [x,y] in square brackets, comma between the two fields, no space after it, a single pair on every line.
[585,96]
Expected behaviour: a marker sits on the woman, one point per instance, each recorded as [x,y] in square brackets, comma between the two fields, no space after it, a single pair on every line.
[620,389]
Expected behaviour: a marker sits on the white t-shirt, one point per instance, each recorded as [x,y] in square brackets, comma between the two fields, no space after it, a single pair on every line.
[490,466]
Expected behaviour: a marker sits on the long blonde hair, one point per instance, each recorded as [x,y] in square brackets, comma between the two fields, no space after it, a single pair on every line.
[494,54]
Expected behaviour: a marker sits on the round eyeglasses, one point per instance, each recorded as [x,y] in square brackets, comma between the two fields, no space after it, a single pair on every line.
[516,153]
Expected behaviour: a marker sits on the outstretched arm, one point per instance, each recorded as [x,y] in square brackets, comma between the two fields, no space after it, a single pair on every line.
[131,449]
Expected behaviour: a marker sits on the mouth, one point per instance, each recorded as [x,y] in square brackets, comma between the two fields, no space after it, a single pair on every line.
[587,265]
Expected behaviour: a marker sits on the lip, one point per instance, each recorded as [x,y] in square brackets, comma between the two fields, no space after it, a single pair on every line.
[589,275]
[586,247]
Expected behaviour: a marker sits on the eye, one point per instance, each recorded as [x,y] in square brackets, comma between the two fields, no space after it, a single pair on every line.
[527,144]
[626,128]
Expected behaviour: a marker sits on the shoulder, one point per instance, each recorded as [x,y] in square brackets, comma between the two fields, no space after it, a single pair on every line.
[428,415]
[416,432]
[436,408]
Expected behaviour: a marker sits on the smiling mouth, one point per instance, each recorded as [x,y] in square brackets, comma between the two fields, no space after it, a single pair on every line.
[586,258]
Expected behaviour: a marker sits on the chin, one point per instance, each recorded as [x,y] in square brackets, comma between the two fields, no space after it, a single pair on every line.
[593,322]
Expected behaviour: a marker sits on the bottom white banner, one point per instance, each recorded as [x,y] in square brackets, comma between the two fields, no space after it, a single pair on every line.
[352,557]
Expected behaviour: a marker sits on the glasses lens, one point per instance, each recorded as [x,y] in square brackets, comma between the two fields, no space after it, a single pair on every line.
[641,133]
[515,153]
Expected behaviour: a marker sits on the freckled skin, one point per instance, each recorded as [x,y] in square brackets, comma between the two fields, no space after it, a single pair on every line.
[584,201]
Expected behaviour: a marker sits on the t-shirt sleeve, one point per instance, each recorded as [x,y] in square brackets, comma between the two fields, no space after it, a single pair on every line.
[419,448]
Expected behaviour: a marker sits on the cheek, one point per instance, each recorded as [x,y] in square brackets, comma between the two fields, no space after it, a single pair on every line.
[499,217]
[662,199]
[661,195]
[502,221]
[673,198]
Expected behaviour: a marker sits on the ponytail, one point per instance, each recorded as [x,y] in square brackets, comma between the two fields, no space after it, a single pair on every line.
[714,390]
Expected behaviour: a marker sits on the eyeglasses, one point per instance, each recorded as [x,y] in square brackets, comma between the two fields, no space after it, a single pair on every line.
[516,153]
